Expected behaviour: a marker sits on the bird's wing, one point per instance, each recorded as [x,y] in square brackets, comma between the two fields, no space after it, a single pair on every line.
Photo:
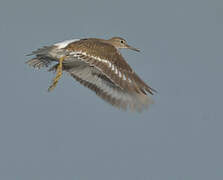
[107,59]
[96,81]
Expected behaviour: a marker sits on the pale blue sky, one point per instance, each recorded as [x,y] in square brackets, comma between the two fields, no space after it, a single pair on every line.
[72,134]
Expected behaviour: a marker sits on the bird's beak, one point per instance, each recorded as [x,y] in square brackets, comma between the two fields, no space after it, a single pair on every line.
[132,48]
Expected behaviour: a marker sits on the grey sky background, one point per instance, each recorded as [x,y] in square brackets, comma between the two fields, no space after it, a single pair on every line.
[72,134]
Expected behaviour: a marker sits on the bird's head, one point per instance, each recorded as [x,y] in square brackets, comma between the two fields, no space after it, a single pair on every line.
[119,43]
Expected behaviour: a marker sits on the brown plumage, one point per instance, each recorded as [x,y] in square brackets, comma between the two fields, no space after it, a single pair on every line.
[98,65]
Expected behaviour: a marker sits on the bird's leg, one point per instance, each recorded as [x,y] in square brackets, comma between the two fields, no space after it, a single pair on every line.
[58,75]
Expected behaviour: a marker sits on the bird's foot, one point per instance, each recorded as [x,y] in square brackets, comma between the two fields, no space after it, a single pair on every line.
[58,75]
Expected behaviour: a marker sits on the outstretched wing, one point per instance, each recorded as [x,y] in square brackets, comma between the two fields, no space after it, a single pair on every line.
[96,81]
[108,60]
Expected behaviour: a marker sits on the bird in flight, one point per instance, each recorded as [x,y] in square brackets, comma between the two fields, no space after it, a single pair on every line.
[98,65]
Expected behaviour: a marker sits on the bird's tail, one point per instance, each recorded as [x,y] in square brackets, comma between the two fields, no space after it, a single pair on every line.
[41,59]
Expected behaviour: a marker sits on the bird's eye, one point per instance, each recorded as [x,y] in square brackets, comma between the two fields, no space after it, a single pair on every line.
[122,41]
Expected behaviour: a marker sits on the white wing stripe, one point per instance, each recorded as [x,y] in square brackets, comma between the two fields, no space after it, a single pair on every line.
[124,78]
[78,54]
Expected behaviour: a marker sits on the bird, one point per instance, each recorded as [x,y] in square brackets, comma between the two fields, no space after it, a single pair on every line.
[98,65]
